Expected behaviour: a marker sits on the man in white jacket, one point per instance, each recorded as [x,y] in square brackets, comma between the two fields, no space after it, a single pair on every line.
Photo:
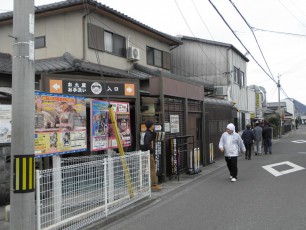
[230,144]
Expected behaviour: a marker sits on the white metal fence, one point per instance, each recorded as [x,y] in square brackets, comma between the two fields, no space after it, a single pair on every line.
[90,188]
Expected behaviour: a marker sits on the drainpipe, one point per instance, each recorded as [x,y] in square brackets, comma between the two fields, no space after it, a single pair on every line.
[229,89]
[84,17]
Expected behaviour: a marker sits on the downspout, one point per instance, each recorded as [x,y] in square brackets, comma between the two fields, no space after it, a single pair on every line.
[229,89]
[84,17]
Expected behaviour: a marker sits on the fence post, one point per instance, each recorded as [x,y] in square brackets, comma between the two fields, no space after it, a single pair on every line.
[38,200]
[140,171]
[105,186]
[57,188]
[110,168]
[198,157]
[149,164]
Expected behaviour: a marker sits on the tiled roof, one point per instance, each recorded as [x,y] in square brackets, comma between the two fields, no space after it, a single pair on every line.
[69,3]
[65,63]
[148,72]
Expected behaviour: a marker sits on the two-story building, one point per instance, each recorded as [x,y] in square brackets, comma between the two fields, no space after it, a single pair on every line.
[98,53]
[222,65]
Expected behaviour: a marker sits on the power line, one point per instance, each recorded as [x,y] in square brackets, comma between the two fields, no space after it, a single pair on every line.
[298,8]
[241,41]
[279,32]
[292,14]
[194,35]
[209,31]
[254,37]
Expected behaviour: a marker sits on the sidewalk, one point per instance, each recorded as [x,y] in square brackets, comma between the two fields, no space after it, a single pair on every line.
[167,187]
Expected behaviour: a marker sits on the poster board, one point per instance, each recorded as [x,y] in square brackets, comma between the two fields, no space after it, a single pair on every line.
[60,124]
[5,124]
[102,134]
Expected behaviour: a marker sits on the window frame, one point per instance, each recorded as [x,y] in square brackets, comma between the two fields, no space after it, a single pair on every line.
[165,57]
[101,40]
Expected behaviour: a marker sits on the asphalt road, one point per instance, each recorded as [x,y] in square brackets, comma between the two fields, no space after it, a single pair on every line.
[258,200]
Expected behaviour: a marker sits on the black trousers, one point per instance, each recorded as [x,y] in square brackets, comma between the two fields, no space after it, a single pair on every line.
[232,166]
[248,152]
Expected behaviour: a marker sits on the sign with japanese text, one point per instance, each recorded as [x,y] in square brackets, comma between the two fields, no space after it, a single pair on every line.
[5,123]
[60,124]
[102,133]
[83,87]
[174,124]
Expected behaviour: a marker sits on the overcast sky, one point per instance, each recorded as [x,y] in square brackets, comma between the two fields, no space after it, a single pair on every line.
[284,52]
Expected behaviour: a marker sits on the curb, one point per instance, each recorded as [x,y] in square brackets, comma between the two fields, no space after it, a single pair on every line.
[133,208]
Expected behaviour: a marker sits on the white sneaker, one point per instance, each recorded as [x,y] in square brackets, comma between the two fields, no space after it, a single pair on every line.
[233,179]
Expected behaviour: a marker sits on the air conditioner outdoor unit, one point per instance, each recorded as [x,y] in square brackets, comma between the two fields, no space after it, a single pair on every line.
[133,53]
[220,90]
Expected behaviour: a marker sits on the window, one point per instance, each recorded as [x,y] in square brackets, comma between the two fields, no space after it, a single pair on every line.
[242,83]
[158,58]
[236,72]
[239,77]
[40,42]
[108,42]
[95,37]
[100,39]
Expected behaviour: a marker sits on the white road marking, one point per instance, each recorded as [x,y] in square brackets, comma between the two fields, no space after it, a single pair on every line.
[299,141]
[302,152]
[276,173]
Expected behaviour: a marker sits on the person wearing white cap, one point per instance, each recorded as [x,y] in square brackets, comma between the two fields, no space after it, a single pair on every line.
[230,144]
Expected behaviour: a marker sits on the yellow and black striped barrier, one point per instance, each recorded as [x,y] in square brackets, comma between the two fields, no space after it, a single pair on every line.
[24,173]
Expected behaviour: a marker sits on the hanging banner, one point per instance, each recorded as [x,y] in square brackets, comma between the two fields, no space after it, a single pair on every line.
[60,124]
[102,133]
[5,123]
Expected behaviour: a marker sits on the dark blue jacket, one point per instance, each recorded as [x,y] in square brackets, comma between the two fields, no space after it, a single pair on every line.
[248,136]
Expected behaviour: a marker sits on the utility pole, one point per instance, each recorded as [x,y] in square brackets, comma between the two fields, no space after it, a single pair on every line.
[279,110]
[22,199]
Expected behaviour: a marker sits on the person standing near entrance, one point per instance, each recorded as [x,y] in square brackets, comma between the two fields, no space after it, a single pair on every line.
[248,140]
[258,139]
[230,144]
[148,144]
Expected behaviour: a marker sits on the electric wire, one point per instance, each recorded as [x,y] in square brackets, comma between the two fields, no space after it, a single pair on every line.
[141,48]
[195,36]
[241,41]
[246,22]
[225,58]
[298,8]
[292,14]
[279,32]
[87,15]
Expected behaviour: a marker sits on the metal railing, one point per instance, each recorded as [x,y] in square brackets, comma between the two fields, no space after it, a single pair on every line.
[89,189]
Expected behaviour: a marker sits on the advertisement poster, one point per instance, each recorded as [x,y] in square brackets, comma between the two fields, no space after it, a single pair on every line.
[5,123]
[102,133]
[60,124]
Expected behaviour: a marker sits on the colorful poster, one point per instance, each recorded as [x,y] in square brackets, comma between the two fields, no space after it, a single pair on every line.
[5,123]
[102,132]
[60,124]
